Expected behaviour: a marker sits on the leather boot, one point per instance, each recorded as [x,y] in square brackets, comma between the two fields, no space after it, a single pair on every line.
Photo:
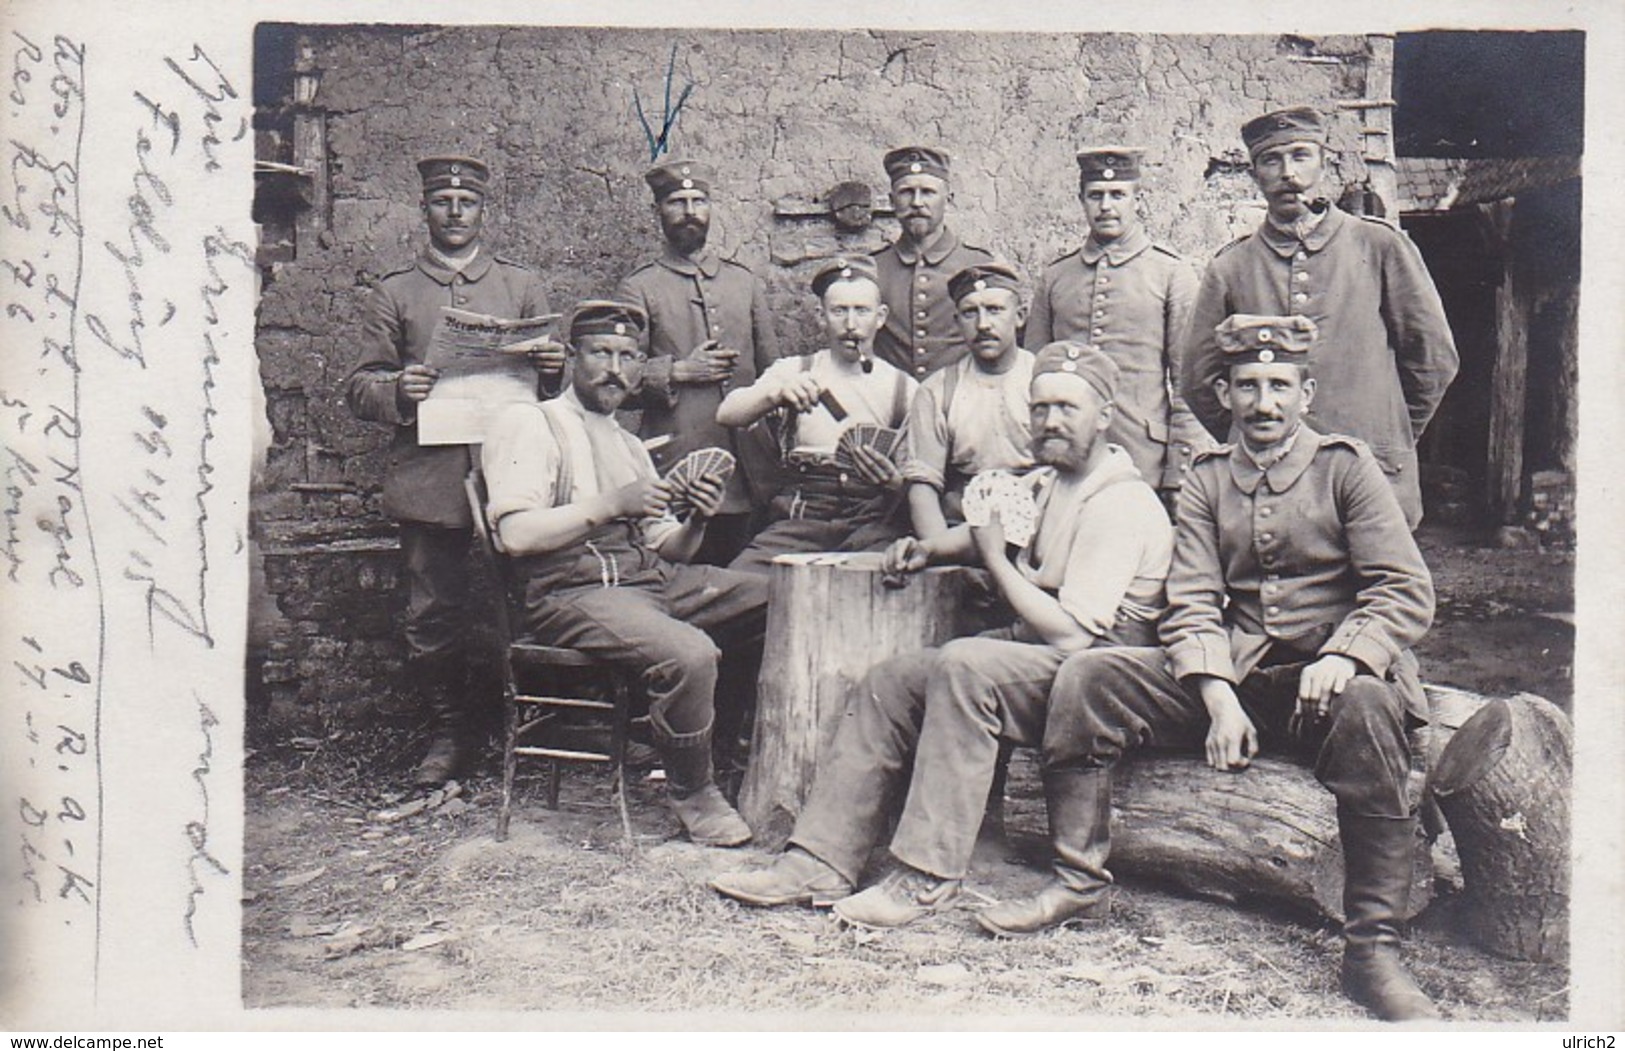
[695,798]
[1377,859]
[1080,809]
[438,680]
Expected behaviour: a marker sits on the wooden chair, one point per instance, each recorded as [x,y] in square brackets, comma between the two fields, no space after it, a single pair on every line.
[546,718]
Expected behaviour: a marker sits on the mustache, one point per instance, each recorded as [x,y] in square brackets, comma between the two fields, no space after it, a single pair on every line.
[612,381]
[1265,417]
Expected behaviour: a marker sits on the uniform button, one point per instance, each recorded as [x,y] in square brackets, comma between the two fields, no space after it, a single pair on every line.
[1100,313]
[923,279]
[1273,610]
[1300,297]
[1265,512]
[1300,255]
[1266,537]
[920,332]
[920,369]
[920,297]
[920,314]
[1098,331]
[1301,276]
[459,300]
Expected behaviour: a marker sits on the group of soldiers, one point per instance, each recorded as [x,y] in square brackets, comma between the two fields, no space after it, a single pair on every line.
[1211,567]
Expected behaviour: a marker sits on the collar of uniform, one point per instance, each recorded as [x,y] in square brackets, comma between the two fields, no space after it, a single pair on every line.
[1119,251]
[444,275]
[707,262]
[1285,244]
[945,244]
[1281,474]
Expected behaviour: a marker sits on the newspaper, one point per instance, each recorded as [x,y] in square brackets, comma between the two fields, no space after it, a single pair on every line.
[482,364]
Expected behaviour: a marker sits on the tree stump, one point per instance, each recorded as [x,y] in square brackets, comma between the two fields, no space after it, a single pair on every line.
[1503,784]
[829,620]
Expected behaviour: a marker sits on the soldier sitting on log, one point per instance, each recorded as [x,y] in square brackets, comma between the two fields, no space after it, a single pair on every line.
[1296,594]
[1092,574]
[817,397]
[972,415]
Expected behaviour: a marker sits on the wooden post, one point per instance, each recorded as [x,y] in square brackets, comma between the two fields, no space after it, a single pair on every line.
[1503,783]
[829,620]
[1507,383]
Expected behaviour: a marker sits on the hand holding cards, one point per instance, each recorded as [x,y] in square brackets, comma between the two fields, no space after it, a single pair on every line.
[1010,496]
[711,463]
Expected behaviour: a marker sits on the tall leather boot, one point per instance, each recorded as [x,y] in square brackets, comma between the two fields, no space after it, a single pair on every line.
[438,680]
[1377,858]
[694,797]
[1080,810]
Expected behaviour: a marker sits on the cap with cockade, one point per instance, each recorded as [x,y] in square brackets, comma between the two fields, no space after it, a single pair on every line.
[666,179]
[979,277]
[454,173]
[1248,338]
[1296,124]
[844,268]
[915,160]
[1110,164]
[1083,360]
[606,317]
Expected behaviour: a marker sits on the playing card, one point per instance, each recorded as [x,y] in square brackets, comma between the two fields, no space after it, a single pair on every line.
[882,440]
[1010,495]
[718,463]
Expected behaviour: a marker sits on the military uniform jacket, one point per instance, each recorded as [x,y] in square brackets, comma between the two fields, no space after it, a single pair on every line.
[425,483]
[1313,554]
[1130,298]
[1384,356]
[921,334]
[688,302]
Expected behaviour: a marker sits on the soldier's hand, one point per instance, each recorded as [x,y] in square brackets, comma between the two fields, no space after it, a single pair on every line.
[799,391]
[644,498]
[1321,681]
[546,353]
[875,468]
[707,363]
[417,381]
[705,493]
[1232,740]
[905,555]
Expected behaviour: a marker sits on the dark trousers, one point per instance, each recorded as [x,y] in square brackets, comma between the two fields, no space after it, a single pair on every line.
[1106,702]
[437,571]
[671,630]
[933,719]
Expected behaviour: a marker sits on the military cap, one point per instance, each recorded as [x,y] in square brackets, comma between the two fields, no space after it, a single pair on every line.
[979,277]
[454,173]
[1083,360]
[1110,164]
[1297,124]
[606,317]
[666,179]
[844,268]
[915,160]
[1248,338]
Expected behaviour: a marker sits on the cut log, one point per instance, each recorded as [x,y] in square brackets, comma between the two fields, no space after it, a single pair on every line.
[1269,835]
[1503,784]
[830,618]
[1265,835]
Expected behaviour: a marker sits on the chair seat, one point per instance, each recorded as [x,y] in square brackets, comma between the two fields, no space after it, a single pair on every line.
[550,656]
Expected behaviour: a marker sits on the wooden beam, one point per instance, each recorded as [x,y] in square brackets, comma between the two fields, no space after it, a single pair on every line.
[1504,484]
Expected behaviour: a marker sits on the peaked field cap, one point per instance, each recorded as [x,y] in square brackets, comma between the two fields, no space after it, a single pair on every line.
[1084,360]
[667,178]
[452,172]
[915,160]
[1110,164]
[979,277]
[1294,124]
[607,317]
[844,268]
[1266,338]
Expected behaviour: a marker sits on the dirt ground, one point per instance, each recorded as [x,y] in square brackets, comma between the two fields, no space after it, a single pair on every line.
[350,901]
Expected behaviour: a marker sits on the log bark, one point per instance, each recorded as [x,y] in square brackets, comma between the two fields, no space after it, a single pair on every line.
[1269,835]
[1503,784]
[830,619]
